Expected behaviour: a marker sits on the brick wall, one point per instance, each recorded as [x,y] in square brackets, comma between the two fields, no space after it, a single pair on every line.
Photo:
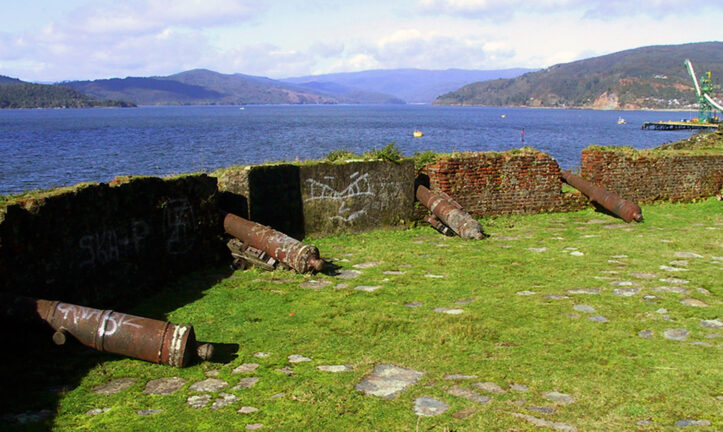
[645,176]
[524,181]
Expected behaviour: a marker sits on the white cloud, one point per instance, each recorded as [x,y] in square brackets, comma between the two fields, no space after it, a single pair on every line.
[593,9]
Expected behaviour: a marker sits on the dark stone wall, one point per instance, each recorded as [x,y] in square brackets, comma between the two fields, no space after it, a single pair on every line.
[323,198]
[647,177]
[108,244]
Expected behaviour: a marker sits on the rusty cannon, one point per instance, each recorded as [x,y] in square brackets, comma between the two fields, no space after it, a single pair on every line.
[299,256]
[118,333]
[447,214]
[626,210]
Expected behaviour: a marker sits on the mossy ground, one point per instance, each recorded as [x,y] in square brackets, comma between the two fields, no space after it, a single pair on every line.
[616,377]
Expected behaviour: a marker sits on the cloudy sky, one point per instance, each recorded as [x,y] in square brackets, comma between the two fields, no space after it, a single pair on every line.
[54,40]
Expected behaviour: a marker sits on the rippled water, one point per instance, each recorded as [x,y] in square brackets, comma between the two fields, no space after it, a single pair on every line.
[49,147]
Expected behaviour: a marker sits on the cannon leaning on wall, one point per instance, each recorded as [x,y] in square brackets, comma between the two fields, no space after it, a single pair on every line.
[447,214]
[112,332]
[301,257]
[626,210]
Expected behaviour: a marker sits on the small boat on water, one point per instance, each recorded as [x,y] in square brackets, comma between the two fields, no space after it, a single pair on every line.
[417,134]
[621,121]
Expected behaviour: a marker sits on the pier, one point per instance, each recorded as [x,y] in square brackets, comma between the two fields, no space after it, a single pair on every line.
[679,125]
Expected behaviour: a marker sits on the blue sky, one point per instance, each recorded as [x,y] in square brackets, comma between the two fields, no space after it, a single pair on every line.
[54,40]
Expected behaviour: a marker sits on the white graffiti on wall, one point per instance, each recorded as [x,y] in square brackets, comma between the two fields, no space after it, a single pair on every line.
[111,321]
[179,225]
[126,240]
[113,244]
[359,187]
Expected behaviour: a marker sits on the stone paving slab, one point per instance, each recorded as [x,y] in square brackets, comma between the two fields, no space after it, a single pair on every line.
[335,368]
[468,394]
[164,386]
[245,383]
[490,387]
[209,385]
[245,368]
[114,386]
[558,397]
[426,406]
[545,423]
[388,381]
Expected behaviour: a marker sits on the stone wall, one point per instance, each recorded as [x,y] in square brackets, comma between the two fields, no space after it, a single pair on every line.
[322,198]
[108,244]
[493,183]
[645,176]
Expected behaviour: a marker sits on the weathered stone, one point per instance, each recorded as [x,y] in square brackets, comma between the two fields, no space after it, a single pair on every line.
[674,281]
[298,358]
[644,275]
[209,385]
[687,255]
[583,291]
[676,334]
[315,284]
[538,250]
[245,368]
[464,412]
[490,387]
[97,411]
[335,368]
[429,407]
[672,269]
[645,334]
[525,293]
[577,253]
[286,371]
[453,377]
[224,399]
[254,426]
[598,318]
[623,283]
[584,308]
[388,381]
[468,394]
[114,386]
[198,401]
[367,288]
[556,297]
[626,292]
[413,304]
[147,412]
[449,311]
[245,383]
[715,324]
[434,276]
[164,386]
[542,410]
[247,410]
[558,397]
[348,274]
[212,373]
[519,387]
[261,354]
[693,302]
[689,422]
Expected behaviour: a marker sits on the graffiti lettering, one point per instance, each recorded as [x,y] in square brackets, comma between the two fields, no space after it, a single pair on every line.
[179,225]
[348,211]
[110,324]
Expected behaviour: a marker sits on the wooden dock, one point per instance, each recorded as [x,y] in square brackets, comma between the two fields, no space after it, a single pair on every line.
[679,125]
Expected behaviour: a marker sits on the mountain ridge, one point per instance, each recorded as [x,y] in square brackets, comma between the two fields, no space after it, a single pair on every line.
[647,77]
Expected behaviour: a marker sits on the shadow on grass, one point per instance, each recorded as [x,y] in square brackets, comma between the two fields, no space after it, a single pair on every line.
[35,374]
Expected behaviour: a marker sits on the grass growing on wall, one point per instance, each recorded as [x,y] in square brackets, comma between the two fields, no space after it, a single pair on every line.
[509,332]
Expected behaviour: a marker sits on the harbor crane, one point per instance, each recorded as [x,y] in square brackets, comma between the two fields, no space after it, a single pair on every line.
[706,104]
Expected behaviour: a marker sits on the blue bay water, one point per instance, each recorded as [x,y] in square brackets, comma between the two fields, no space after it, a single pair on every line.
[45,148]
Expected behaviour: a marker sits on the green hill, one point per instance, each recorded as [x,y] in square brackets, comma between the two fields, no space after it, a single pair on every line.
[205,87]
[18,94]
[648,77]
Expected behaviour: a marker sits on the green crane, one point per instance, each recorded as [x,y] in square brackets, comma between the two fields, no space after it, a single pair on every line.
[706,104]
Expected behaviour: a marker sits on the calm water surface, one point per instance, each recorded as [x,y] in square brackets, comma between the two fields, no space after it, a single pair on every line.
[50,147]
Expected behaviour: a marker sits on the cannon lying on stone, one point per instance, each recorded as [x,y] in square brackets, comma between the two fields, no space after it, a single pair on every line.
[447,216]
[626,210]
[112,332]
[258,243]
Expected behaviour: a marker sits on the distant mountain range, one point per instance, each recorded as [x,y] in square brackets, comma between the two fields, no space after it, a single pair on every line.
[19,94]
[409,85]
[648,77]
[202,86]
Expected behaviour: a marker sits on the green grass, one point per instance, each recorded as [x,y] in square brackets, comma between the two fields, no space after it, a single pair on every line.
[616,377]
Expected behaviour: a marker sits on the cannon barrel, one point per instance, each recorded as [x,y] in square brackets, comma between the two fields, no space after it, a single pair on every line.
[301,257]
[118,333]
[451,215]
[626,210]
